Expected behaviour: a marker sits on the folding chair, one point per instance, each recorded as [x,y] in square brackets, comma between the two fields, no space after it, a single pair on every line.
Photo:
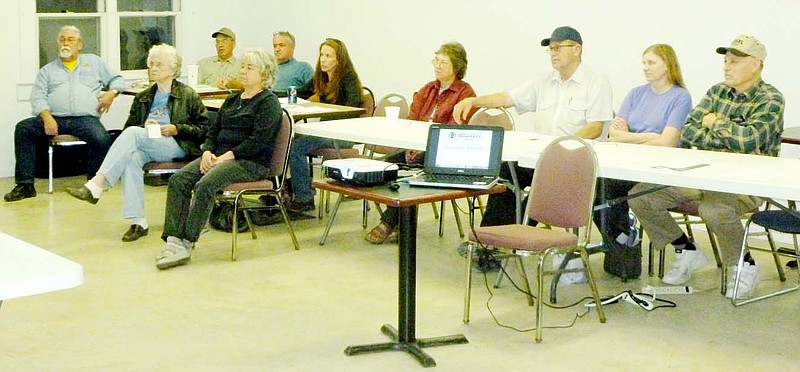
[245,194]
[562,196]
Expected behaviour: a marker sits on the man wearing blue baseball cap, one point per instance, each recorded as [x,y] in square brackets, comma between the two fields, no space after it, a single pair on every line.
[571,99]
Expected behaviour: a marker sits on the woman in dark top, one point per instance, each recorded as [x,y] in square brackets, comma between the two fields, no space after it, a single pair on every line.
[182,121]
[335,81]
[237,148]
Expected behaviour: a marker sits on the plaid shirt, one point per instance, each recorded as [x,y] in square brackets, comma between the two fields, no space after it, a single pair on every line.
[749,122]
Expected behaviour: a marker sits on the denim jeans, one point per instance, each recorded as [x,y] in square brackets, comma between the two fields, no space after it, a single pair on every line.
[299,167]
[190,194]
[125,159]
[31,130]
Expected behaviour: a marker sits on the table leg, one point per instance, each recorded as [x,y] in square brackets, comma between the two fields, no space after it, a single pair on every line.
[404,339]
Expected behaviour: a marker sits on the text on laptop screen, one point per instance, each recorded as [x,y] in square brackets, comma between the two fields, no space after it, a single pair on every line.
[466,149]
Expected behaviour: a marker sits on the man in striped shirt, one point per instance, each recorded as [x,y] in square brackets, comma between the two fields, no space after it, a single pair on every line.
[743,114]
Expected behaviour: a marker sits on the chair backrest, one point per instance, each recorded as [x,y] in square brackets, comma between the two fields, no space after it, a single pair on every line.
[392,99]
[493,116]
[563,186]
[279,162]
[367,102]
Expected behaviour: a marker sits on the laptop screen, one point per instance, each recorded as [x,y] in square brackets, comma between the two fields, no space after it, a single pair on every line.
[464,149]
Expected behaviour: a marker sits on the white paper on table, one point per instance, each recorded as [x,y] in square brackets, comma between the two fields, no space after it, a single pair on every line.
[680,165]
[308,109]
[216,102]
[207,89]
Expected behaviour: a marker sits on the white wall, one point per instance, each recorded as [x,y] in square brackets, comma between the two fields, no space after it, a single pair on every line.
[391,44]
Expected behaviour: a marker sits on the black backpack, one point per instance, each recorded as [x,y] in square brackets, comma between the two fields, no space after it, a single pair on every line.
[624,260]
[222,217]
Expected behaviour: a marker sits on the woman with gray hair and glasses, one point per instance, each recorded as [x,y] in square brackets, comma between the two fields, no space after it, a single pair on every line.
[237,148]
[181,118]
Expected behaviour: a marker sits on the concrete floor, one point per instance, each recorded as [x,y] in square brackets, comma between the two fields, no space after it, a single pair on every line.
[276,309]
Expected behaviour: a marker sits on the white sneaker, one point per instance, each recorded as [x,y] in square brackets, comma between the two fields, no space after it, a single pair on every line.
[747,282]
[685,264]
[175,253]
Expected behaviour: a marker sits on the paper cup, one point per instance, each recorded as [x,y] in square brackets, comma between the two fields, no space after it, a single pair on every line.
[392,114]
[192,71]
[153,130]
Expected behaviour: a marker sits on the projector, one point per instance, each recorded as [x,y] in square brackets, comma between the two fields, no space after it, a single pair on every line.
[358,171]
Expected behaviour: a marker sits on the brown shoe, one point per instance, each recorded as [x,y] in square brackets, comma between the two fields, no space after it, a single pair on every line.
[21,191]
[82,193]
[135,232]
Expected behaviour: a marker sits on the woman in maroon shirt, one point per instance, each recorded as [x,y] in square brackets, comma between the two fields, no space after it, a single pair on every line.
[433,103]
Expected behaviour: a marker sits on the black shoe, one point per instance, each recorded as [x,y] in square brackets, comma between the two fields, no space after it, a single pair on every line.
[82,193]
[298,207]
[21,191]
[135,232]
[792,264]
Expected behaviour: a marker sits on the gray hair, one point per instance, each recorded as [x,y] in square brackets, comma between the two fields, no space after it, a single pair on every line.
[286,34]
[266,63]
[69,28]
[169,51]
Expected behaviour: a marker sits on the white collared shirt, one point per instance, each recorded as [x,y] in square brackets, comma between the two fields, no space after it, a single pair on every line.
[563,107]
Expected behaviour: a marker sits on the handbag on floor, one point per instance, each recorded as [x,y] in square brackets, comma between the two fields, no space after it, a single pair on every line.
[222,217]
[624,259]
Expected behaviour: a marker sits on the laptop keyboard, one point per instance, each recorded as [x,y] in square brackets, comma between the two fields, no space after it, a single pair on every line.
[456,179]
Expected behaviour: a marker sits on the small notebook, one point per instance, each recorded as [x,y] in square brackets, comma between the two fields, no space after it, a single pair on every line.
[461,156]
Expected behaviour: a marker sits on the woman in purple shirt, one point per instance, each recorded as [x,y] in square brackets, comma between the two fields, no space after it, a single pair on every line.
[651,114]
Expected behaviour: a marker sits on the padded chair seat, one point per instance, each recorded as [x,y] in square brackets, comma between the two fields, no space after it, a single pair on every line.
[689,207]
[778,220]
[65,139]
[260,184]
[164,165]
[523,237]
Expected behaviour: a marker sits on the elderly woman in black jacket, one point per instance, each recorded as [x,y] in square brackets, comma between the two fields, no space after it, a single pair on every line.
[176,112]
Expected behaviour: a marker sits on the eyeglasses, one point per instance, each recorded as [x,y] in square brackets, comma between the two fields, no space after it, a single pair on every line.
[440,62]
[557,48]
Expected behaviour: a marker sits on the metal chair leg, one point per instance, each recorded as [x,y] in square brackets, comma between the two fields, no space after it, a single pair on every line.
[458,218]
[525,284]
[50,169]
[441,220]
[468,282]
[330,220]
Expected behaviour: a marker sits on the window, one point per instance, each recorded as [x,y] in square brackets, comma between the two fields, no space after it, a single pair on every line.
[119,31]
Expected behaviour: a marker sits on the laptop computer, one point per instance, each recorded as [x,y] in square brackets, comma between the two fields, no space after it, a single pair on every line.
[461,156]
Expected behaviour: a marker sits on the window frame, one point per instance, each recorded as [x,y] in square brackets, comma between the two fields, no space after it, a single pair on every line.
[109,23]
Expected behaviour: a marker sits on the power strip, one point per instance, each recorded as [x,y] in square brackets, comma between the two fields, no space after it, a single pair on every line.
[668,290]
